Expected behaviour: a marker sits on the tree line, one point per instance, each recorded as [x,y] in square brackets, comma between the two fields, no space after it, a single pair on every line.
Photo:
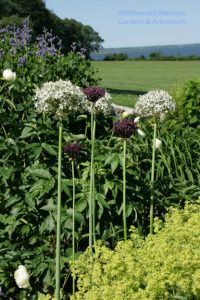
[69,31]
[152,56]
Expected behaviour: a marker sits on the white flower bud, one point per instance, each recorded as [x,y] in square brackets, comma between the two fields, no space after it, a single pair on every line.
[158,143]
[136,120]
[140,132]
[22,277]
[125,114]
[9,75]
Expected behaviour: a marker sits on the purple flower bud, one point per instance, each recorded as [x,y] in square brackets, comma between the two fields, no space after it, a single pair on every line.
[72,150]
[93,94]
[125,128]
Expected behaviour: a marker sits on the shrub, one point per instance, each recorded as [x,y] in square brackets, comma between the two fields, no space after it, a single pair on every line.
[187,96]
[164,266]
[28,150]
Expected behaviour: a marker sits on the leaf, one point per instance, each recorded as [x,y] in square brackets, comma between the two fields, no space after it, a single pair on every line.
[101,198]
[26,132]
[81,205]
[114,165]
[41,173]
[49,149]
[78,216]
[6,172]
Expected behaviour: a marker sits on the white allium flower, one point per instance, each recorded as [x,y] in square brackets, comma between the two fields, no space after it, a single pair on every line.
[9,75]
[103,105]
[22,277]
[60,97]
[158,143]
[155,103]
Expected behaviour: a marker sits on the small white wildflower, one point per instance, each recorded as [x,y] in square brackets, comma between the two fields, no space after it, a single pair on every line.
[158,143]
[22,277]
[9,75]
[155,103]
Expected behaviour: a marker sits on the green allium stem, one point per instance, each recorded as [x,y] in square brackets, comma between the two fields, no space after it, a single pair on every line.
[58,233]
[93,182]
[152,180]
[91,185]
[73,221]
[124,191]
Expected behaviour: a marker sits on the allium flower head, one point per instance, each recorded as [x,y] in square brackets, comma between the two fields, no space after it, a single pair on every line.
[22,277]
[60,97]
[72,150]
[125,128]
[154,103]
[93,94]
[104,104]
[9,75]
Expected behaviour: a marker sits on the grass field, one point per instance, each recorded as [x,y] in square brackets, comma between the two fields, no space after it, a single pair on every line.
[125,80]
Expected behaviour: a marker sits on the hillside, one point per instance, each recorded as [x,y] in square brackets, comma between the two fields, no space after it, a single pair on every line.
[134,52]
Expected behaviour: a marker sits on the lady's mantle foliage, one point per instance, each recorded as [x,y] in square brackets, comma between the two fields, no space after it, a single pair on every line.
[155,103]
[164,266]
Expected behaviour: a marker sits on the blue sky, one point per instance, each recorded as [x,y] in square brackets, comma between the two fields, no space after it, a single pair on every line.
[131,23]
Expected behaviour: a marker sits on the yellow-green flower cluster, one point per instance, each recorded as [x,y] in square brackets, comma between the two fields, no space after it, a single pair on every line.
[164,266]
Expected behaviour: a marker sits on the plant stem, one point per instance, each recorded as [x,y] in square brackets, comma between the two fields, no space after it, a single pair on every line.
[124,191]
[93,181]
[58,233]
[73,226]
[91,185]
[152,180]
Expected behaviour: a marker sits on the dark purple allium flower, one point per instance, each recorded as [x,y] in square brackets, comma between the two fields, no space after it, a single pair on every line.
[125,128]
[72,150]
[93,94]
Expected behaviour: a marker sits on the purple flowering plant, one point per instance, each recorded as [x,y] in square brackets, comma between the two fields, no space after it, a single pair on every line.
[124,128]
[72,150]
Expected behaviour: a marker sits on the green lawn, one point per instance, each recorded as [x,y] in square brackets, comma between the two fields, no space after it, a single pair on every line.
[125,80]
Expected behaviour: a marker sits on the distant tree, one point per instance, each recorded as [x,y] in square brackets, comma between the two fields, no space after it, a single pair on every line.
[69,30]
[116,56]
[155,56]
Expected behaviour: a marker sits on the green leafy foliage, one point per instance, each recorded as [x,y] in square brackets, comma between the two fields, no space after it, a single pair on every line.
[164,266]
[28,173]
[188,97]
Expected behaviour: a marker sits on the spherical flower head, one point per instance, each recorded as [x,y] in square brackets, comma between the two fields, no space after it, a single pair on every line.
[22,277]
[104,105]
[72,150]
[125,128]
[93,94]
[155,103]
[61,98]
[9,75]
